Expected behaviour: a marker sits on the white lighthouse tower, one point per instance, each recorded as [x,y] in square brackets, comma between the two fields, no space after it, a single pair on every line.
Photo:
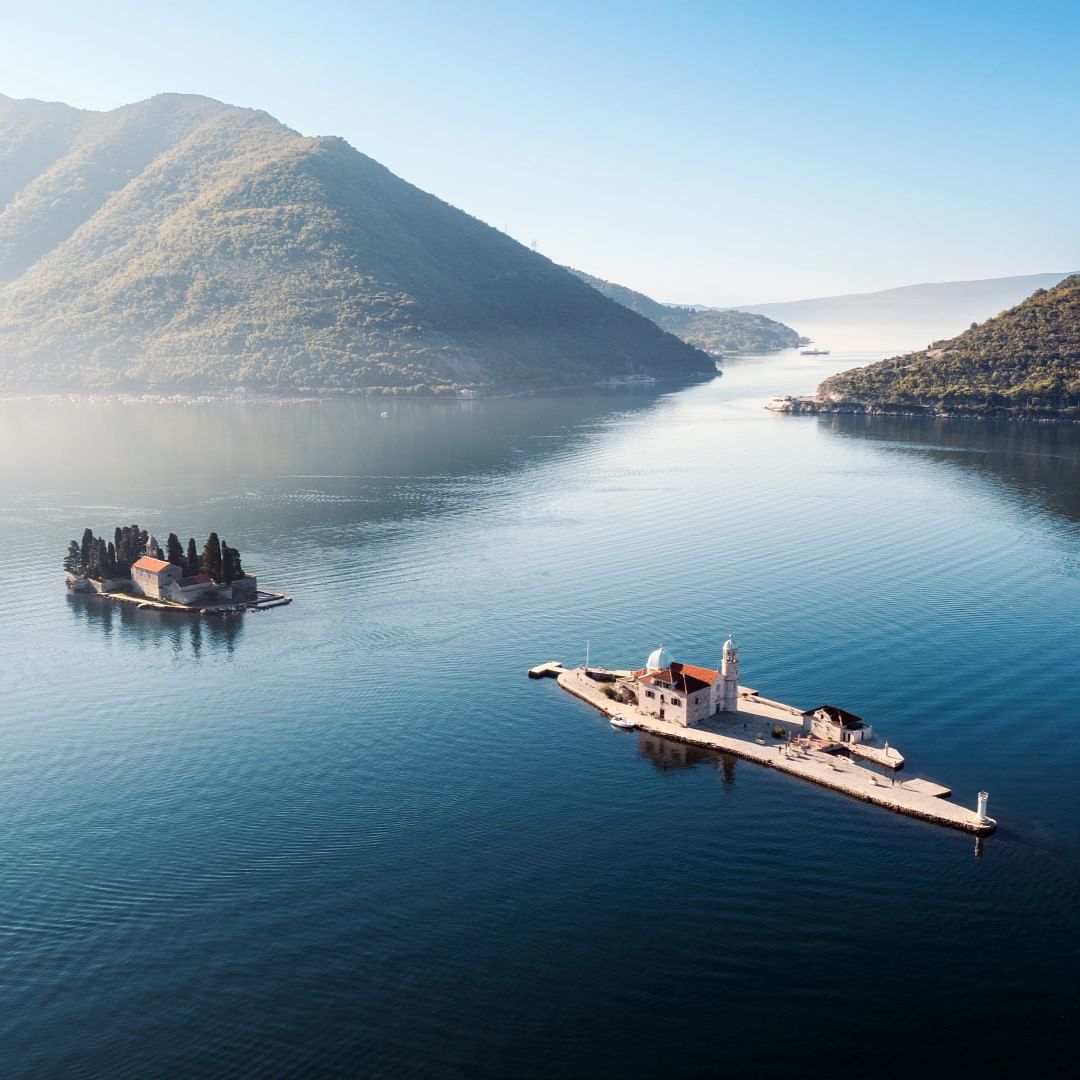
[728,697]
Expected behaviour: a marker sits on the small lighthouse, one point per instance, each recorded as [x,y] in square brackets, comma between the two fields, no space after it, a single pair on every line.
[729,678]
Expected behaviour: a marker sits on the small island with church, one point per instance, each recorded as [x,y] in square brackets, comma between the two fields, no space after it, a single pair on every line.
[133,568]
[708,708]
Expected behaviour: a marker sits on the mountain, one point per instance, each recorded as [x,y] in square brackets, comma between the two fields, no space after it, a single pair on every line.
[1025,361]
[183,244]
[706,328]
[904,318]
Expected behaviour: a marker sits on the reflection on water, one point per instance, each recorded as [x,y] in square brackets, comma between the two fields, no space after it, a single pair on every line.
[321,440]
[1038,462]
[667,755]
[177,632]
[370,807]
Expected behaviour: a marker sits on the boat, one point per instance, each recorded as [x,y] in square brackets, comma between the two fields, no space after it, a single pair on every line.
[814,352]
[623,723]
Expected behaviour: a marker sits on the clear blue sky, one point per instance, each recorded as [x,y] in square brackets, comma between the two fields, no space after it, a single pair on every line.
[702,152]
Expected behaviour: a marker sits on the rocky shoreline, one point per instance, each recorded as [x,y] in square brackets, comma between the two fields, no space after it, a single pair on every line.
[811,406]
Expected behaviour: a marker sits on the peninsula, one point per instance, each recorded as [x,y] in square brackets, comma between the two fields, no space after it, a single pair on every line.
[706,707]
[133,568]
[1021,364]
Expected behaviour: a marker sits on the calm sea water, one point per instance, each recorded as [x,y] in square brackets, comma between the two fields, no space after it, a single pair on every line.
[350,838]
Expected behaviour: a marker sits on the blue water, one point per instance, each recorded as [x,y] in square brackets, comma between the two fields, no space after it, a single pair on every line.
[350,838]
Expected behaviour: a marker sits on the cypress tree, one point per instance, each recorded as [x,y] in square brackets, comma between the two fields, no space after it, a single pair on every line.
[111,554]
[174,552]
[84,551]
[230,564]
[192,565]
[212,557]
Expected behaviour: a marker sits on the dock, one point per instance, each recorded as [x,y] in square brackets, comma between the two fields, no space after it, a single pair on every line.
[551,670]
[747,733]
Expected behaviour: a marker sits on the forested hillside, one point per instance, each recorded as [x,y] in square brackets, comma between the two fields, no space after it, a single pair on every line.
[1025,360]
[715,331]
[183,244]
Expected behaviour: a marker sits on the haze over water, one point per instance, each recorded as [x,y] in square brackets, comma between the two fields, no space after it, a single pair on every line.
[350,838]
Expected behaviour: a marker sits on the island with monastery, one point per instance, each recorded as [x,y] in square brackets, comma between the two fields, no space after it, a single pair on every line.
[133,568]
[708,708]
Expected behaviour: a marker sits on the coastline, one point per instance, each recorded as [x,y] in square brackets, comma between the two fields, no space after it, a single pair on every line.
[274,398]
[810,406]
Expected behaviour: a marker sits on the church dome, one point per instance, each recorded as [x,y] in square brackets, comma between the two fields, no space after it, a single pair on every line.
[659,659]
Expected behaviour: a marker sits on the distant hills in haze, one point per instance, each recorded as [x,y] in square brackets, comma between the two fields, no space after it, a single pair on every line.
[180,244]
[909,316]
[1023,362]
[716,331]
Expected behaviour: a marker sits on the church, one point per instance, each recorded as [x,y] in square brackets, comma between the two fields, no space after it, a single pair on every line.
[686,694]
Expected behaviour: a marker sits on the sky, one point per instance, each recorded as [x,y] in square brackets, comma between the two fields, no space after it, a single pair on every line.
[715,153]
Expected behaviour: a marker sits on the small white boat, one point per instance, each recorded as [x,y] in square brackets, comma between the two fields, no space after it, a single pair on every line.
[623,723]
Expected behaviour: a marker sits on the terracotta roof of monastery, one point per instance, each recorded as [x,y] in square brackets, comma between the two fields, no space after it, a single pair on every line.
[148,563]
[688,678]
[195,579]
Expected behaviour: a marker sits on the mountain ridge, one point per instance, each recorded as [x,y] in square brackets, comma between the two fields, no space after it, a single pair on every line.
[179,244]
[906,317]
[715,330]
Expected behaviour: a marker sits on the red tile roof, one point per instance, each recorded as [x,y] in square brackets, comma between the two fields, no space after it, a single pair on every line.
[707,675]
[688,678]
[147,563]
[195,579]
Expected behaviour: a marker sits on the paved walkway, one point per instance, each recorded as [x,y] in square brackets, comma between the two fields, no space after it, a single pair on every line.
[728,734]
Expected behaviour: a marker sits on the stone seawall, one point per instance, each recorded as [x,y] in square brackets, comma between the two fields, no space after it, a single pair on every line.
[901,797]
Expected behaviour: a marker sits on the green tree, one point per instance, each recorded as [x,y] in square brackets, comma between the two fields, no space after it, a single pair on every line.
[86,549]
[191,565]
[211,557]
[231,570]
[73,559]
[174,550]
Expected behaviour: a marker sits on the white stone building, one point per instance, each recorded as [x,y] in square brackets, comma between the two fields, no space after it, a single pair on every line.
[150,576]
[193,590]
[836,725]
[686,694]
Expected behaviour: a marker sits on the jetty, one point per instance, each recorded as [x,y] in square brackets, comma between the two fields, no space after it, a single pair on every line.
[772,734]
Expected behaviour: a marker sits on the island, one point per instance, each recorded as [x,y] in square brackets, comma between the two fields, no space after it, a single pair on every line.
[133,568]
[1021,364]
[708,708]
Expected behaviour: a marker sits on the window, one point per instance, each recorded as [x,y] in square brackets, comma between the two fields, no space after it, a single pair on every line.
[649,693]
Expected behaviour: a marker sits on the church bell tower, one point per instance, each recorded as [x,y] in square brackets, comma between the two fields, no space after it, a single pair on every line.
[729,678]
